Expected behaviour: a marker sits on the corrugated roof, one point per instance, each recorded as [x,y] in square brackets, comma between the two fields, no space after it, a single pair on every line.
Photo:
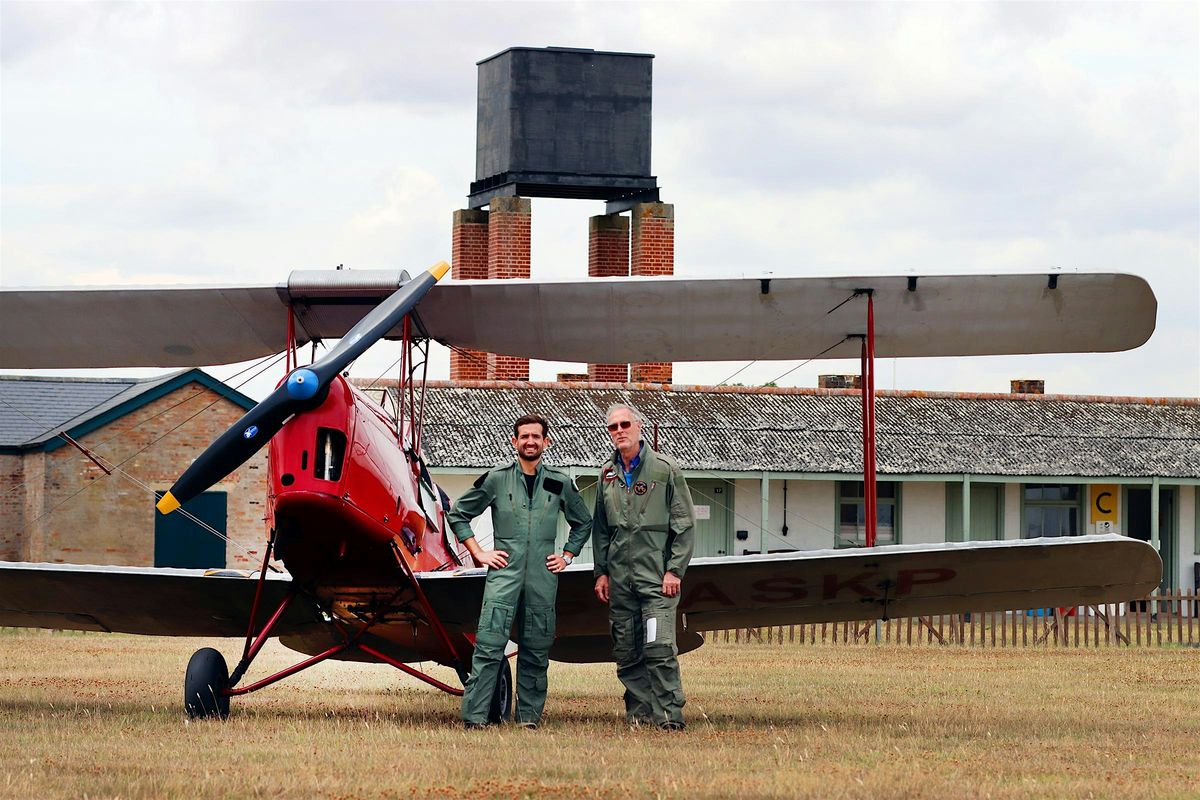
[33,410]
[797,430]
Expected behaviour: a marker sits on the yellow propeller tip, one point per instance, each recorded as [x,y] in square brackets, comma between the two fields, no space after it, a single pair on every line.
[167,503]
[439,269]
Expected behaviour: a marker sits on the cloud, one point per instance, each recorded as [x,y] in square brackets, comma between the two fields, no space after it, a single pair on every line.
[237,141]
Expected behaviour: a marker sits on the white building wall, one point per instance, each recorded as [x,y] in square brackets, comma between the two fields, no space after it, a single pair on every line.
[810,515]
[922,512]
[747,512]
[1187,552]
[1012,511]
[455,486]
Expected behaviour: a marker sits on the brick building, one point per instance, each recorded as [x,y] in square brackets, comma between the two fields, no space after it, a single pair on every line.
[58,505]
[776,469]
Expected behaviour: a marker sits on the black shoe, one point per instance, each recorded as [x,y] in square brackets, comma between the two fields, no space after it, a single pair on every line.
[475,726]
[639,722]
[529,726]
[672,726]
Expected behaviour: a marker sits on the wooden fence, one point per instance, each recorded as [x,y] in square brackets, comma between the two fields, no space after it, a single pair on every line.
[1167,619]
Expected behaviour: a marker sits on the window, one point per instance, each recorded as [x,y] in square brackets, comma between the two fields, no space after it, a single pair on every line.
[1051,510]
[852,517]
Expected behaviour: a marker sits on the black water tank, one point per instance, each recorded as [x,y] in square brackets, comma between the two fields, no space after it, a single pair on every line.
[563,122]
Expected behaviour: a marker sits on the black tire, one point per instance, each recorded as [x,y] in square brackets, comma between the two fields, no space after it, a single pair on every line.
[502,698]
[207,676]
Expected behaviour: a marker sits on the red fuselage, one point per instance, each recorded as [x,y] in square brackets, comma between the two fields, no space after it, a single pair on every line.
[344,492]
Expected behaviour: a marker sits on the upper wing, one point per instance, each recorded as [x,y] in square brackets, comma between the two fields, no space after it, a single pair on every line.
[156,601]
[135,327]
[600,319]
[674,319]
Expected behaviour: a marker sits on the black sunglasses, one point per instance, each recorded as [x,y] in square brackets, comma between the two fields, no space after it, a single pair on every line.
[623,425]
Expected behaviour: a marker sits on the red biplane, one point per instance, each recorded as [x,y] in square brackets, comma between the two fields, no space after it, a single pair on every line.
[373,574]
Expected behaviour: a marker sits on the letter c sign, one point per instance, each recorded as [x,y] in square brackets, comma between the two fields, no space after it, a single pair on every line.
[1104,502]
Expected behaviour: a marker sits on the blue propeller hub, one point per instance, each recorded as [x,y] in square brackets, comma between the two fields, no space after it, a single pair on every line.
[302,384]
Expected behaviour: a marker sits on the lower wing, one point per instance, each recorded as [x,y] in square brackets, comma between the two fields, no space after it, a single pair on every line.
[718,593]
[149,600]
[888,582]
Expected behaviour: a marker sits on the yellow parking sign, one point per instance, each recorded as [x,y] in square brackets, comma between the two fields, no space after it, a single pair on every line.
[1104,501]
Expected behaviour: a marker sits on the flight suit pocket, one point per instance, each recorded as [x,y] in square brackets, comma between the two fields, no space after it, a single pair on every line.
[660,633]
[539,627]
[495,623]
[624,630]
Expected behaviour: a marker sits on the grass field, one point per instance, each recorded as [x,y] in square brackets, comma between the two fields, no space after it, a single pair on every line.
[100,716]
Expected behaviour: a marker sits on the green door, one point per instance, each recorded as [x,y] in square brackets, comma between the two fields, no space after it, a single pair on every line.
[180,542]
[587,490]
[986,512]
[1137,525]
[713,500]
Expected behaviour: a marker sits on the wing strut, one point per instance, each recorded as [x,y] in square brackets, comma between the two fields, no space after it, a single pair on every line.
[870,498]
[867,391]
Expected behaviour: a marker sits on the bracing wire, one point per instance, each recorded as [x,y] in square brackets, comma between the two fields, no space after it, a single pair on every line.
[265,364]
[756,524]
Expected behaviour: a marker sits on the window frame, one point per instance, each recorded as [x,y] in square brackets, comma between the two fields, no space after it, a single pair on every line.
[840,499]
[1078,504]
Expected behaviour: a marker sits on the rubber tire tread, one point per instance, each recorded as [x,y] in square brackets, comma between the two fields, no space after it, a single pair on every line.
[207,674]
[502,698]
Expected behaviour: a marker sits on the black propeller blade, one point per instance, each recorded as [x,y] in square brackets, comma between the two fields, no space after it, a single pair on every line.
[304,389]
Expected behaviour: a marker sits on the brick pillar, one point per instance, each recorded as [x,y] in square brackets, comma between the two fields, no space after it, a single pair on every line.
[608,257]
[652,252]
[508,257]
[469,261]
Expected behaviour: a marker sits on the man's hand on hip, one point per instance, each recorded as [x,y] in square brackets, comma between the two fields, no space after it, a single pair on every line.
[670,586]
[602,589]
[496,559]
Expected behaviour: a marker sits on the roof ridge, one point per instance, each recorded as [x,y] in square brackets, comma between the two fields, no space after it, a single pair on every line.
[71,379]
[807,391]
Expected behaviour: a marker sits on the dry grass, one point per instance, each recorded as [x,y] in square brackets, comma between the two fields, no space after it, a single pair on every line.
[100,716]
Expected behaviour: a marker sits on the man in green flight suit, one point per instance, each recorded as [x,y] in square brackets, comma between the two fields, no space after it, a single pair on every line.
[526,498]
[643,527]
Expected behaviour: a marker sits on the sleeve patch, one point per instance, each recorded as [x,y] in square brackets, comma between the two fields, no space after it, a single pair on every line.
[553,486]
[479,481]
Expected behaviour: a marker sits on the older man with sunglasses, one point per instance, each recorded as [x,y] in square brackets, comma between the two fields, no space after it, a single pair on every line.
[642,542]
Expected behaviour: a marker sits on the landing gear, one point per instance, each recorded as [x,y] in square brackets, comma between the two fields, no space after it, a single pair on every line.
[502,699]
[204,685]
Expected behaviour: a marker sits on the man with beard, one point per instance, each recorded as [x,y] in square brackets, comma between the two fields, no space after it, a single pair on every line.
[526,498]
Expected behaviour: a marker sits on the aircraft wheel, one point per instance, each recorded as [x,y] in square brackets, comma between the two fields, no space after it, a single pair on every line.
[206,676]
[502,698]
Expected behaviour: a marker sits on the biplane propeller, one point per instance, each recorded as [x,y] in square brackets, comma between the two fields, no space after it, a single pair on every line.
[372,571]
[304,388]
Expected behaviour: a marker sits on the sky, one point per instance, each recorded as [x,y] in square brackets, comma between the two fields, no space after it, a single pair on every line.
[192,143]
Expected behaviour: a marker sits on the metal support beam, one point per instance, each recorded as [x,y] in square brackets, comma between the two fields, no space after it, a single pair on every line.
[867,381]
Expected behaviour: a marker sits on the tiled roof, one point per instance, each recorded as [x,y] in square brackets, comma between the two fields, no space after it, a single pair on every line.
[33,410]
[813,430]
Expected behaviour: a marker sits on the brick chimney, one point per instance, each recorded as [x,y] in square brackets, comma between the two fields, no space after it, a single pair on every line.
[839,381]
[608,257]
[652,252]
[494,245]
[469,261]
[1027,386]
